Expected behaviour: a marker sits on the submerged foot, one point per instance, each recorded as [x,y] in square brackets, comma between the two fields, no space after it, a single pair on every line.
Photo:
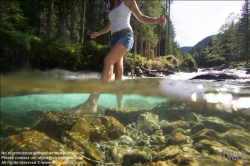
[84,109]
[89,107]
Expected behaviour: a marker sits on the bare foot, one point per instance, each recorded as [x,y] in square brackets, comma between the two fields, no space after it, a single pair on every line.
[84,109]
[89,107]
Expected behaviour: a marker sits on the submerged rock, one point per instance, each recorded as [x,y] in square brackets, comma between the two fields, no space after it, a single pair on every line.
[179,138]
[37,147]
[54,123]
[168,152]
[170,127]
[134,157]
[148,123]
[31,116]
[126,140]
[197,128]
[157,140]
[197,159]
[85,147]
[117,153]
[238,138]
[125,115]
[213,147]
[172,111]
[10,125]
[218,124]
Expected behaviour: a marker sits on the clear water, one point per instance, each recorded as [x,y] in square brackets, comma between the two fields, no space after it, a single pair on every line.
[26,91]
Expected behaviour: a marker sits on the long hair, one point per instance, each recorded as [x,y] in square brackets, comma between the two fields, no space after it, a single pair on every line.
[112,3]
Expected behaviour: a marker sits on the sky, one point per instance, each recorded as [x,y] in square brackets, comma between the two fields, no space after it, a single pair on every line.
[195,20]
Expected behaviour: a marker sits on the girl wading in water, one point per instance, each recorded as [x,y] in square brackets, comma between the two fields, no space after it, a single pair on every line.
[122,40]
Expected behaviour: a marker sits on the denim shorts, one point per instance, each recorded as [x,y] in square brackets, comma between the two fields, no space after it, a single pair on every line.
[124,37]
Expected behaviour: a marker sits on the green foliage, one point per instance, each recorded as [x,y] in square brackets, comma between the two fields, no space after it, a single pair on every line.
[44,34]
[230,45]
[56,53]
[161,63]
[188,61]
[93,55]
[15,41]
[214,60]
[131,61]
[156,64]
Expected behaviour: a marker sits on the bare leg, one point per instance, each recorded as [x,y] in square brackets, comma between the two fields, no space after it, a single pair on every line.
[117,52]
[118,77]
[115,55]
[111,72]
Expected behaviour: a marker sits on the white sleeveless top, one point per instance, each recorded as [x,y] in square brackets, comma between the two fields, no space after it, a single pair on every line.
[120,18]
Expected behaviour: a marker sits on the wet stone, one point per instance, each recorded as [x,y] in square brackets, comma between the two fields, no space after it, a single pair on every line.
[104,128]
[54,123]
[134,157]
[143,140]
[126,140]
[163,163]
[208,134]
[180,130]
[117,153]
[196,128]
[238,138]
[33,142]
[168,152]
[11,124]
[170,127]
[218,124]
[172,111]
[147,123]
[157,140]
[179,138]
[78,143]
[213,147]
[131,114]
[197,159]
[31,116]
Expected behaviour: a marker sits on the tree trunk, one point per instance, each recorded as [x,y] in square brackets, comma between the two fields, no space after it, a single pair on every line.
[40,18]
[94,14]
[141,47]
[62,11]
[83,21]
[50,4]
[135,42]
[73,20]
[247,32]
[168,43]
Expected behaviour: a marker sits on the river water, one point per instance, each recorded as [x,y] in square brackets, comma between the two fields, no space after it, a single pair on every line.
[59,89]
[217,133]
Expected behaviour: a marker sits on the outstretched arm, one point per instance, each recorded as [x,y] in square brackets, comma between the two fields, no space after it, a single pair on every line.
[132,5]
[102,31]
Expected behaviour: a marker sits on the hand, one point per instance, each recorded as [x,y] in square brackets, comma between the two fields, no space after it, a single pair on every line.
[162,21]
[94,35]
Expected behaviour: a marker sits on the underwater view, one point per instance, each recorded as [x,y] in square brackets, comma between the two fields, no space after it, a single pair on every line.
[60,117]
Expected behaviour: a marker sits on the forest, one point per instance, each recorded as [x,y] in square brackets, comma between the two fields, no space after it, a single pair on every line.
[47,34]
[230,45]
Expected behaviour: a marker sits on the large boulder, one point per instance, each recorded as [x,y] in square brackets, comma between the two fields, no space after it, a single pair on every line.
[101,128]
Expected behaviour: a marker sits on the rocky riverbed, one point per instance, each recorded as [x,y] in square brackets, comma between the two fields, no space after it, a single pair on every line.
[168,134]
